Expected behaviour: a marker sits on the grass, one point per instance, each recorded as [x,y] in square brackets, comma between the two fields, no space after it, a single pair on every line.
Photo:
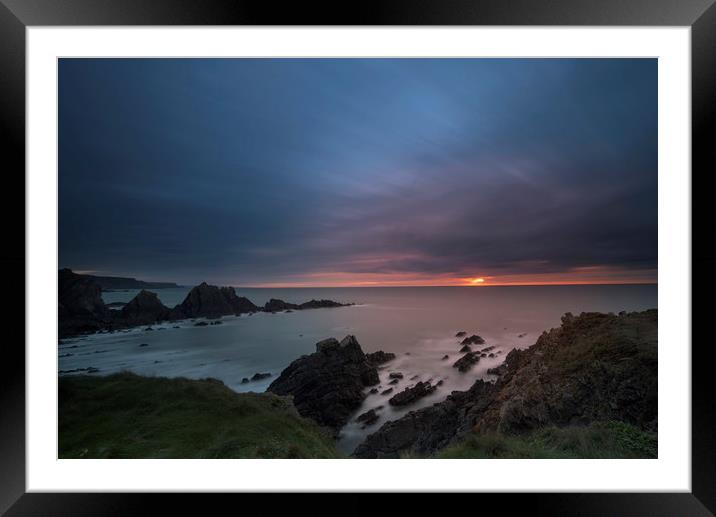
[129,416]
[598,440]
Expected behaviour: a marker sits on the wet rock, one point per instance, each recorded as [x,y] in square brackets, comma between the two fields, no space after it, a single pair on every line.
[467,361]
[462,333]
[394,381]
[445,357]
[412,394]
[245,380]
[373,391]
[201,324]
[327,386]
[379,357]
[472,340]
[395,375]
[387,392]
[368,418]
[414,377]
[465,348]
[143,344]
[260,376]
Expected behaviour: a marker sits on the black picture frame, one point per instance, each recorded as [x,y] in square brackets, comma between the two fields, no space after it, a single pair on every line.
[16,15]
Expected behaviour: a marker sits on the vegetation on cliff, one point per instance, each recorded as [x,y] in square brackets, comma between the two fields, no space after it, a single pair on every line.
[129,416]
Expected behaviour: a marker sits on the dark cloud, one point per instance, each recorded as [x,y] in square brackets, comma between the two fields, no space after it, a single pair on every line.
[251,171]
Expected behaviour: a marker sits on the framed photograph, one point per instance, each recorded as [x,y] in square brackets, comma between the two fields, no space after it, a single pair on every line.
[444,248]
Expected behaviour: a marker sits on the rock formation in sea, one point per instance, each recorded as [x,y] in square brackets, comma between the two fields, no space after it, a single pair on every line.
[145,308]
[379,357]
[210,301]
[80,305]
[81,309]
[328,385]
[412,394]
[594,367]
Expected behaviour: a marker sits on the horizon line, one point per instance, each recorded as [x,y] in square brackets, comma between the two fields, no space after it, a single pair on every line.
[521,284]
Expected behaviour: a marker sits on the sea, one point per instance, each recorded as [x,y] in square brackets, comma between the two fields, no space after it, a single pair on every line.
[418,324]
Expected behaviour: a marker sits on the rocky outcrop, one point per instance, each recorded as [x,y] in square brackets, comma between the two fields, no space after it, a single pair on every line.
[210,301]
[379,357]
[327,386]
[467,361]
[472,340]
[322,304]
[410,395]
[462,333]
[595,367]
[80,305]
[82,310]
[274,305]
[144,309]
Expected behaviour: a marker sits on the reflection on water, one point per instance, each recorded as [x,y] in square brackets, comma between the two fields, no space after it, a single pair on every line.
[418,324]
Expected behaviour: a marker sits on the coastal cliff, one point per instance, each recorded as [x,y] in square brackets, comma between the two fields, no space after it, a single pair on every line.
[593,368]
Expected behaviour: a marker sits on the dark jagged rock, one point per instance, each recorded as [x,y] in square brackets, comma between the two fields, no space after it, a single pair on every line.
[260,376]
[80,305]
[498,370]
[445,357]
[595,367]
[410,395]
[467,361]
[395,375]
[373,391]
[322,304]
[394,381]
[274,305]
[368,418]
[327,386]
[245,380]
[143,309]
[487,349]
[472,340]
[465,348]
[379,357]
[387,392]
[210,301]
[462,333]
[201,324]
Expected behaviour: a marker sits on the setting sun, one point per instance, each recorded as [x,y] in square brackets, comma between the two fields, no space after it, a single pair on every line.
[477,281]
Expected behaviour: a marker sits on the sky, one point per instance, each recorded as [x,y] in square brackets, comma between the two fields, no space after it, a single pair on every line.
[359,172]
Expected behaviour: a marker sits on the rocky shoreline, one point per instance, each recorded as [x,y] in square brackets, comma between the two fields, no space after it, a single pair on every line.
[81,309]
[593,368]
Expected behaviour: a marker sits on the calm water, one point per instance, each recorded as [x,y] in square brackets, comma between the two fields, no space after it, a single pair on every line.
[418,324]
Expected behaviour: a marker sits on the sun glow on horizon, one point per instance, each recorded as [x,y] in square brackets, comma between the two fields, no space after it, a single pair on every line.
[477,281]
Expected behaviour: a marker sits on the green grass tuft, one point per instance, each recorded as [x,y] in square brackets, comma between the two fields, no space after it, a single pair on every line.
[598,440]
[129,416]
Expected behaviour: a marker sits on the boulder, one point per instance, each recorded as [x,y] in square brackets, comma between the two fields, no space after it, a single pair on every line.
[465,348]
[462,333]
[472,340]
[80,306]
[379,357]
[467,361]
[410,395]
[260,376]
[387,392]
[327,386]
[368,418]
[395,375]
